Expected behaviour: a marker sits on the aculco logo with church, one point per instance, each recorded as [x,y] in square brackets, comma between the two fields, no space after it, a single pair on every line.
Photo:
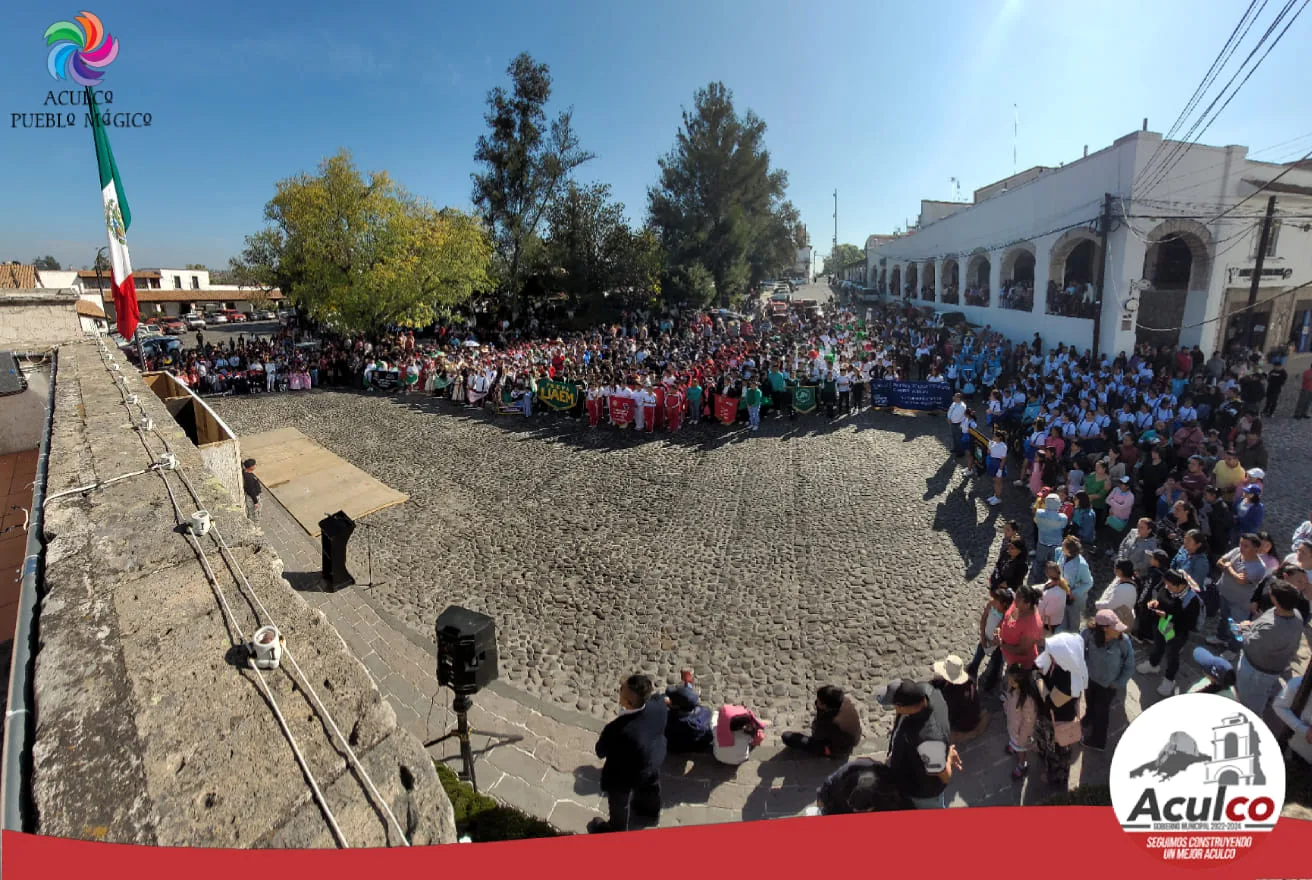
[1198,763]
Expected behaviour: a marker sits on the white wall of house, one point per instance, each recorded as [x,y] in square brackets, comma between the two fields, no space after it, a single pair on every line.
[1048,213]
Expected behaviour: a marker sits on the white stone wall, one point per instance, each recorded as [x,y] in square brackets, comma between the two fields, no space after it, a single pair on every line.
[37,318]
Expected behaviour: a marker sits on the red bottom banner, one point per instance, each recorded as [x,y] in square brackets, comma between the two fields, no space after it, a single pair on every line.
[942,843]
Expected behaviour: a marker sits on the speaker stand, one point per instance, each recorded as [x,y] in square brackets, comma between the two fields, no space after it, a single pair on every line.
[461,706]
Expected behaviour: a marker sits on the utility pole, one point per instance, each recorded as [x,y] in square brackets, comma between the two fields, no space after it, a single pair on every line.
[1257,269]
[835,252]
[1104,227]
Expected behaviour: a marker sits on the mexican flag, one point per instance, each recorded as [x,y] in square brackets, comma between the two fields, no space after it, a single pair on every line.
[117,220]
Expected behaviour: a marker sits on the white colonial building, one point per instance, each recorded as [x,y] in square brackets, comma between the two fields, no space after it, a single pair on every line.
[1023,255]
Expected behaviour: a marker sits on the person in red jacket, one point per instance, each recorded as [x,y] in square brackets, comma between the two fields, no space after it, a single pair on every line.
[675,401]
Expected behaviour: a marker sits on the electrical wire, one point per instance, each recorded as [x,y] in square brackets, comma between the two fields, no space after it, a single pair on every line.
[1229,314]
[996,247]
[265,617]
[1222,57]
[100,484]
[120,383]
[1194,133]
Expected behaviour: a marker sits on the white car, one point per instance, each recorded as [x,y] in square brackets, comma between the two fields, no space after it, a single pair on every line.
[194,320]
[217,318]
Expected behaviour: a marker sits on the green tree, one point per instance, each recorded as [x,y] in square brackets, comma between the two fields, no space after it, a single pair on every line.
[593,252]
[717,202]
[526,163]
[46,264]
[200,267]
[846,255]
[363,254]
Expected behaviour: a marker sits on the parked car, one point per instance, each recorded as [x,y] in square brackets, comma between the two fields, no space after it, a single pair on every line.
[234,316]
[194,320]
[264,315]
[174,326]
[217,318]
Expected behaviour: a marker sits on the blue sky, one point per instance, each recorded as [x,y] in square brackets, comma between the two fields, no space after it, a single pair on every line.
[884,101]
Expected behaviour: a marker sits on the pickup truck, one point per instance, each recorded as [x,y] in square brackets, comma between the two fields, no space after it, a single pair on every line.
[194,321]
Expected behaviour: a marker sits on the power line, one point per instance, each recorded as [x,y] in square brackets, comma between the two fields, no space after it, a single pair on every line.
[1221,59]
[1190,138]
[1229,314]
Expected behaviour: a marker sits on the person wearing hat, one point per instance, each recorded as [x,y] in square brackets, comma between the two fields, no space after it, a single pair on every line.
[251,487]
[1250,511]
[1109,657]
[836,729]
[1218,674]
[1051,525]
[920,753]
[966,719]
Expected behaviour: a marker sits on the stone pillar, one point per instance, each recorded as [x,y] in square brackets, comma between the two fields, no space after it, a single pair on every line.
[995,277]
[938,281]
[1124,265]
[1042,272]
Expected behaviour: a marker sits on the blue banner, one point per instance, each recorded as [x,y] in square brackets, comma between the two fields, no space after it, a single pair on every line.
[923,396]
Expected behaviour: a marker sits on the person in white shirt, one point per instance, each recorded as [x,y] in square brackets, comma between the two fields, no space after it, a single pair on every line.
[956,413]
[997,464]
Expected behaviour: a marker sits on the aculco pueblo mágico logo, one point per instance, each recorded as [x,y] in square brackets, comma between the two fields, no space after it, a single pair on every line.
[1198,775]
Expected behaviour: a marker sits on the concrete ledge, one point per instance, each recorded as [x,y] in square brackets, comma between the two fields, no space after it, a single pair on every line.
[149,728]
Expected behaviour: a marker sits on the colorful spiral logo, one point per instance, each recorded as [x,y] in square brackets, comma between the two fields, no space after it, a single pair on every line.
[80,53]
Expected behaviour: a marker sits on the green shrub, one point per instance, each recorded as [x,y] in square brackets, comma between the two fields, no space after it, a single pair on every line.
[1082,796]
[484,820]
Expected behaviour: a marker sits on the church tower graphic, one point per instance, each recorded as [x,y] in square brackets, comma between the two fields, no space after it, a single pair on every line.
[1235,752]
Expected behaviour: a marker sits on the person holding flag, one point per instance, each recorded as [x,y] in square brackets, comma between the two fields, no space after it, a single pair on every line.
[117,220]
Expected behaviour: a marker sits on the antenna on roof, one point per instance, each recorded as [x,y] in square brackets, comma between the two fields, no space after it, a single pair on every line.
[957,184]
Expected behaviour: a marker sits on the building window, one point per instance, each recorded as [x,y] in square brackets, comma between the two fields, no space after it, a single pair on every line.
[177,282]
[154,284]
[1271,242]
[195,282]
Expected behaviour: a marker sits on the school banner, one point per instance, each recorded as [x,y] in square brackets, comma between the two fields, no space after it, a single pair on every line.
[804,398]
[726,409]
[385,379]
[559,396]
[621,411]
[924,396]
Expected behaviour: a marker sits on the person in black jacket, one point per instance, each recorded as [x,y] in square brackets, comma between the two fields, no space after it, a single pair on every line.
[633,747]
[836,729]
[251,487]
[1176,608]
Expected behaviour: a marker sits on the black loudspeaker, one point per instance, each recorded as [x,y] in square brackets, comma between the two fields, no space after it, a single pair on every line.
[466,650]
[335,532]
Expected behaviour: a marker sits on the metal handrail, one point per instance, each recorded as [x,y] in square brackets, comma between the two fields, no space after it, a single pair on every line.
[16,769]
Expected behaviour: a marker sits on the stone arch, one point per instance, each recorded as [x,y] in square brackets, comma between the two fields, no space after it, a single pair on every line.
[895,282]
[977,269]
[1179,255]
[927,282]
[1064,250]
[913,281]
[951,281]
[1019,259]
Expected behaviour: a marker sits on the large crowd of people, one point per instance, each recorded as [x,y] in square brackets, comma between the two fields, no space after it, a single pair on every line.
[1153,459]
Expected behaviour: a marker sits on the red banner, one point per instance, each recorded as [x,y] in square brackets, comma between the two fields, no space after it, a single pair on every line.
[621,411]
[783,848]
[726,409]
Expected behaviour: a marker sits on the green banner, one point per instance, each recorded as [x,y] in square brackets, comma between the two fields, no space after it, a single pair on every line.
[804,398]
[558,395]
